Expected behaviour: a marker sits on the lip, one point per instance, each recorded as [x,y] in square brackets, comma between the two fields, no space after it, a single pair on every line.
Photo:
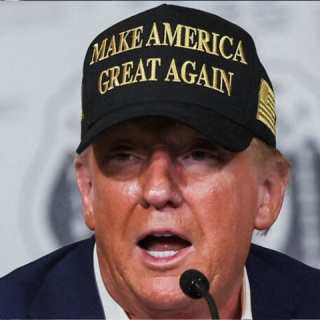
[163,230]
[165,262]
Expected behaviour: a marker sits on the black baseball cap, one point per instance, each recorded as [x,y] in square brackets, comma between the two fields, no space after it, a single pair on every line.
[184,64]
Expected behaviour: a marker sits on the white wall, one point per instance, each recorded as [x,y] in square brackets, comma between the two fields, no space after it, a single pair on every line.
[41,54]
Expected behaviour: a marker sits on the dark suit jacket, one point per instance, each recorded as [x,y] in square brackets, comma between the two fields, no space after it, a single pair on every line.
[62,285]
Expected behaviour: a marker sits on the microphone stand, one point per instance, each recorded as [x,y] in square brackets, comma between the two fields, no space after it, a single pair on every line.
[212,305]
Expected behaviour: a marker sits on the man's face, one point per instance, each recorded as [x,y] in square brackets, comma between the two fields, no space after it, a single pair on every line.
[165,200]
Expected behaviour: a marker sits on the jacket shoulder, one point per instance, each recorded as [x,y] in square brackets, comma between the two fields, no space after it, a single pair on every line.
[18,288]
[287,284]
[283,265]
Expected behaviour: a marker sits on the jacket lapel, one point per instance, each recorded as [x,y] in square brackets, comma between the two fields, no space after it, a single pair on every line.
[69,290]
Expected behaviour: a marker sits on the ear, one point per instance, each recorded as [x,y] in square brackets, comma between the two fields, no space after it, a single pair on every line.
[84,181]
[271,195]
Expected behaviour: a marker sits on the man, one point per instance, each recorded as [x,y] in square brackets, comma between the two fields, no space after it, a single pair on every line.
[176,167]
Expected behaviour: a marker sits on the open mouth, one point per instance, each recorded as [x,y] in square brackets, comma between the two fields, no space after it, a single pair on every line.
[163,245]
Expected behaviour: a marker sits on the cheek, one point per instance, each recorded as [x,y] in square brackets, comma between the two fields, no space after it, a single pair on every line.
[113,204]
[224,206]
[223,210]
[111,194]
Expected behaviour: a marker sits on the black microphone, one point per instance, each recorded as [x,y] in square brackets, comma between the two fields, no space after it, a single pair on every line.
[195,285]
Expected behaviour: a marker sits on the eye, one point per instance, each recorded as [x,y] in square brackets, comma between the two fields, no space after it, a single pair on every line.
[122,156]
[199,155]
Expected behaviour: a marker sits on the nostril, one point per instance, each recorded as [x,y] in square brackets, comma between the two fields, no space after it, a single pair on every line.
[158,198]
[158,206]
[162,198]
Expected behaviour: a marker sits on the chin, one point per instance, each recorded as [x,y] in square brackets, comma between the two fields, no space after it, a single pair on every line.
[162,298]
[164,294]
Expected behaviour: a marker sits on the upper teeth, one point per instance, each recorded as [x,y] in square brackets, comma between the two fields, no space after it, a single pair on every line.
[162,234]
[162,254]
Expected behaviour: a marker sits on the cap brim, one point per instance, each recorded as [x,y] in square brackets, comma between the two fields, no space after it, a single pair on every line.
[214,127]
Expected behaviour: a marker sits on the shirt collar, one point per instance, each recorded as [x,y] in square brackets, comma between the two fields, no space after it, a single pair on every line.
[113,311]
[246,297]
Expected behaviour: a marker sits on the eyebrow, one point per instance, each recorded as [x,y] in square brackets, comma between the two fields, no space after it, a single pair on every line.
[200,142]
[114,142]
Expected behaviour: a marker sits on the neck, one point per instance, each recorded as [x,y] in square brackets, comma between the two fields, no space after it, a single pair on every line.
[232,309]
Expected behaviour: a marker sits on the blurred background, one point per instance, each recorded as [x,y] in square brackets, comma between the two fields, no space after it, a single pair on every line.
[41,54]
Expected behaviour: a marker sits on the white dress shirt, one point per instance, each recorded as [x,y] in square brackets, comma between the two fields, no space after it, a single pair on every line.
[113,311]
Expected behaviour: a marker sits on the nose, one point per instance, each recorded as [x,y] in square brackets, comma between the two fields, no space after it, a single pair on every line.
[160,185]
